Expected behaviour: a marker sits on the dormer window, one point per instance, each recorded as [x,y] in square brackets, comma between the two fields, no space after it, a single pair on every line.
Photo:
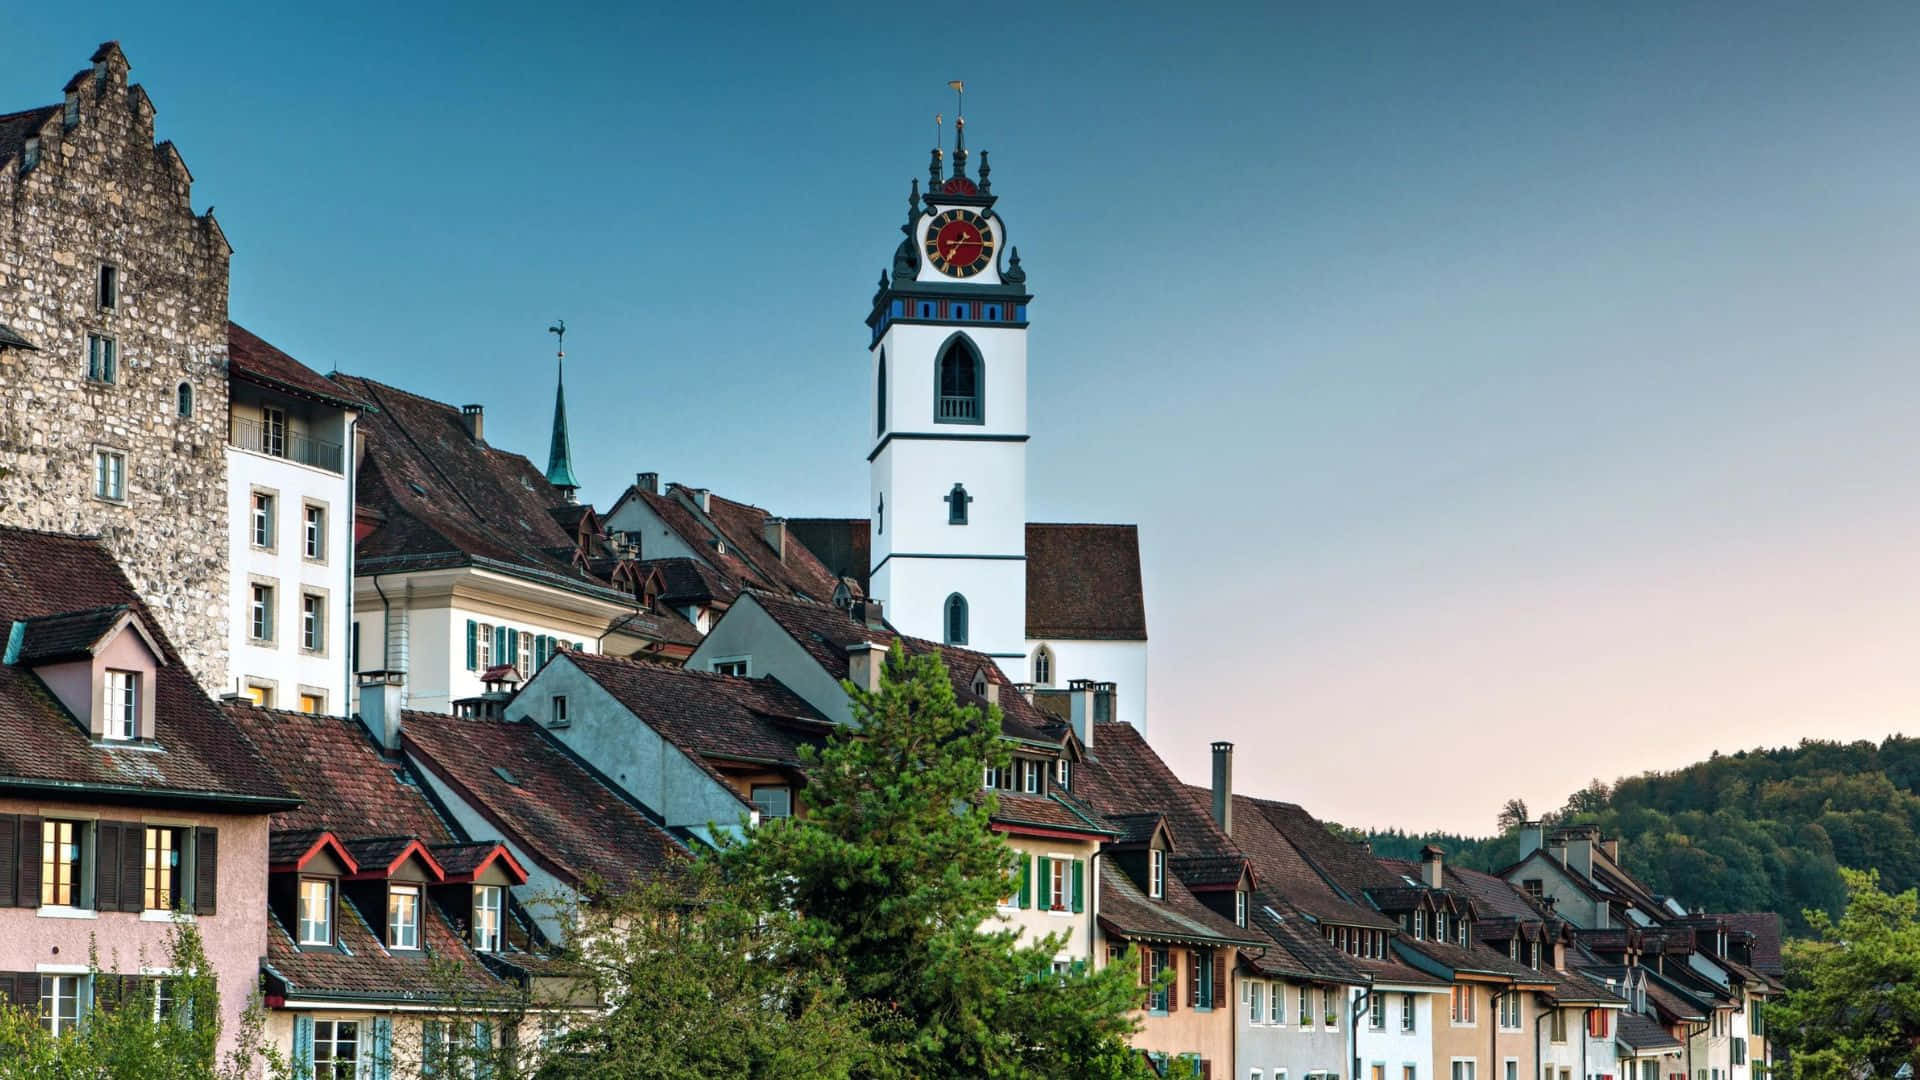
[1440,926]
[1062,774]
[403,916]
[487,904]
[1419,925]
[1157,874]
[122,703]
[316,911]
[1240,907]
[1463,931]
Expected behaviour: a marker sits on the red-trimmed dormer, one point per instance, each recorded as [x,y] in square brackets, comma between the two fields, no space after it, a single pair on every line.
[474,892]
[303,884]
[390,888]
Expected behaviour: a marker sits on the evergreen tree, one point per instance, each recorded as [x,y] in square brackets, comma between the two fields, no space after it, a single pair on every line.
[1852,1008]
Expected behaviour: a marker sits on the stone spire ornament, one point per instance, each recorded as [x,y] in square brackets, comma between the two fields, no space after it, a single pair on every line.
[560,451]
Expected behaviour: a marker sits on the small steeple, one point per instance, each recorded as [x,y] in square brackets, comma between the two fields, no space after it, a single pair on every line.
[560,453]
[959,127]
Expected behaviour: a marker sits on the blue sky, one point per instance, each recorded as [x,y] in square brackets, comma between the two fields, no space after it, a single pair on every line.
[1519,393]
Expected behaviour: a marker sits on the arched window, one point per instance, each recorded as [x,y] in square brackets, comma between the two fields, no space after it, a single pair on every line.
[961,384]
[1043,666]
[957,501]
[880,400]
[186,399]
[956,619]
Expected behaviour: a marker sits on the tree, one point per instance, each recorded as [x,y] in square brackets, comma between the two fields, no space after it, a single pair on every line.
[1512,816]
[893,878]
[1588,800]
[1852,1008]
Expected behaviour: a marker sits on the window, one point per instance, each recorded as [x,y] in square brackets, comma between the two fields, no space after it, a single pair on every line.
[960,383]
[103,359]
[1256,1003]
[1557,1026]
[1510,1010]
[880,399]
[1463,1070]
[1032,773]
[557,711]
[336,1049]
[1061,774]
[1043,666]
[316,911]
[956,619]
[109,286]
[1239,907]
[1306,1007]
[731,667]
[262,519]
[1462,928]
[59,1003]
[1533,887]
[1419,925]
[1333,1014]
[1440,926]
[1277,1006]
[487,904]
[403,916]
[773,801]
[313,622]
[957,501]
[1057,884]
[260,693]
[260,614]
[313,704]
[1512,1069]
[1407,1072]
[1202,960]
[1377,1015]
[1158,960]
[123,705]
[109,475]
[1156,873]
[315,541]
[482,650]
[1406,1012]
[1600,1023]
[163,879]
[163,998]
[273,431]
[61,857]
[1462,1005]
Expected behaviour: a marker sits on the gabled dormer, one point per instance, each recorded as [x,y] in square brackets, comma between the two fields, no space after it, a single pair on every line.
[474,892]
[1224,883]
[1143,852]
[100,663]
[390,889]
[304,870]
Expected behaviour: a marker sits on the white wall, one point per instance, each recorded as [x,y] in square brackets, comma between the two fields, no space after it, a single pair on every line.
[915,593]
[1396,1049]
[1123,663]
[284,662]
[1033,921]
[746,630]
[657,541]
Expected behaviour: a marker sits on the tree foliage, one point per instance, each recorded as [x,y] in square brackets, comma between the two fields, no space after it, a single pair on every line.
[1852,1008]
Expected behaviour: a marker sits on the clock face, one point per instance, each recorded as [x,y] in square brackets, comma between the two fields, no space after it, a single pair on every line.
[960,243]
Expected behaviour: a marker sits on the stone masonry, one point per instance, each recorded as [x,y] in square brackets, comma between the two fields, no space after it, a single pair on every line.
[103,193]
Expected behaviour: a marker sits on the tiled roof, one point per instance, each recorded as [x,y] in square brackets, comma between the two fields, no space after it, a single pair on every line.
[1582,988]
[10,338]
[206,756]
[1643,1033]
[1083,583]
[445,499]
[826,631]
[1765,928]
[690,581]
[546,803]
[794,570]
[1299,949]
[345,784]
[15,127]
[1121,775]
[70,636]
[1050,811]
[843,545]
[254,360]
[665,626]
[1284,871]
[1128,913]
[715,716]
[1673,1004]
[363,967]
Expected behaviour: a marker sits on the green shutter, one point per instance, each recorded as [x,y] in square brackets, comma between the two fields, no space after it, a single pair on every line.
[303,1047]
[499,645]
[433,1047]
[1026,880]
[473,645]
[482,1051]
[1079,886]
[382,1063]
[1043,897]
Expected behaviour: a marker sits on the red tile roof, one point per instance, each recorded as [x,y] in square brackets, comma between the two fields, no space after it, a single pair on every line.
[346,785]
[547,803]
[363,967]
[207,759]
[1127,912]
[714,716]
[256,361]
[1083,583]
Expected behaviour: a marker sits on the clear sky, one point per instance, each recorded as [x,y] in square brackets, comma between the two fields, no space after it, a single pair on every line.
[1507,394]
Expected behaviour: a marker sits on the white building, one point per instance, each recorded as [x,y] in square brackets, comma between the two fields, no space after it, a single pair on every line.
[290,529]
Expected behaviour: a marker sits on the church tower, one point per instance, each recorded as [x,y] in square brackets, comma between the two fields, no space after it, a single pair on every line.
[948,376]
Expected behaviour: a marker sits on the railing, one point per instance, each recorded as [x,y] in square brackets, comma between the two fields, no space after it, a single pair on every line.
[955,407]
[279,442]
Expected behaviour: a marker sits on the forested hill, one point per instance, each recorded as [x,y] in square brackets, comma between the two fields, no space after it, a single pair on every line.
[1761,830]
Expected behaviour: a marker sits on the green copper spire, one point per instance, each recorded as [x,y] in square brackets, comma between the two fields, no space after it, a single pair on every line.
[560,453]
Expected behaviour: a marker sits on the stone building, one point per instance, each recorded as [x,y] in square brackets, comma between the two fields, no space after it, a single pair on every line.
[113,350]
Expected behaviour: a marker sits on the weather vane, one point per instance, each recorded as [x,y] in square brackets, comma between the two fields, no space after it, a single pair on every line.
[559,331]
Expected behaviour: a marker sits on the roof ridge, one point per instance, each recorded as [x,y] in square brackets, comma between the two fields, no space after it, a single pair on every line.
[1085,524]
[53,533]
[436,402]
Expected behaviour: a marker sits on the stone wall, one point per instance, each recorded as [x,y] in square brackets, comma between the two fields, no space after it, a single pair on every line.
[104,193]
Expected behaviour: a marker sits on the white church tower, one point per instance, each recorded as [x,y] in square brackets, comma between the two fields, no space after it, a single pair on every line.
[949,452]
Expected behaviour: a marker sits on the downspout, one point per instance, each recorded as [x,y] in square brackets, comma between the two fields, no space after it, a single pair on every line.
[1360,1004]
[1586,1036]
[1690,1036]
[1539,1051]
[346,700]
[1493,1038]
[386,624]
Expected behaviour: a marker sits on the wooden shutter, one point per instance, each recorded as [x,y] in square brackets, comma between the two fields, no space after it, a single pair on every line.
[1026,880]
[1079,886]
[206,874]
[303,1047]
[1219,978]
[30,854]
[9,860]
[1173,991]
[382,1051]
[106,865]
[133,866]
[1043,896]
[1206,1069]
[473,646]
[1146,964]
[21,988]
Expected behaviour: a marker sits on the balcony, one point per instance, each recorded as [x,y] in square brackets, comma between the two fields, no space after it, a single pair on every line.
[957,408]
[276,441]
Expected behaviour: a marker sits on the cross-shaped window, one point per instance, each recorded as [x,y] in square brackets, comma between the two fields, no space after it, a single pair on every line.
[957,501]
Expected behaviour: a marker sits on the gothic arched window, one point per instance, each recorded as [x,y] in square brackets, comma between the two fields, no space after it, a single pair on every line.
[956,619]
[957,501]
[962,384]
[880,400]
[1043,666]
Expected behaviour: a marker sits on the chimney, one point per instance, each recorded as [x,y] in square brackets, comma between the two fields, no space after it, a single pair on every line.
[1579,857]
[702,498]
[992,693]
[1223,786]
[648,482]
[381,694]
[865,660]
[1612,848]
[869,612]
[1532,837]
[1433,867]
[1080,710]
[473,418]
[775,530]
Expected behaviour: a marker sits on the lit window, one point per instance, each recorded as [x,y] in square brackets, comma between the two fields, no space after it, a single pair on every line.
[1061,774]
[260,694]
[1157,874]
[313,622]
[109,287]
[403,916]
[316,911]
[773,801]
[60,862]
[59,1003]
[336,1049]
[163,876]
[123,705]
[313,704]
[316,537]
[109,475]
[260,614]
[262,519]
[103,359]
[487,903]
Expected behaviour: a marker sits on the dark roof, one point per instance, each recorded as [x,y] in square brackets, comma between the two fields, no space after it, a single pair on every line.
[715,716]
[843,545]
[346,785]
[1765,928]
[447,499]
[689,581]
[1128,913]
[42,747]
[794,569]
[52,638]
[663,626]
[826,632]
[548,804]
[1283,871]
[10,338]
[1644,1033]
[15,127]
[1083,582]
[363,967]
[255,361]
[1051,811]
